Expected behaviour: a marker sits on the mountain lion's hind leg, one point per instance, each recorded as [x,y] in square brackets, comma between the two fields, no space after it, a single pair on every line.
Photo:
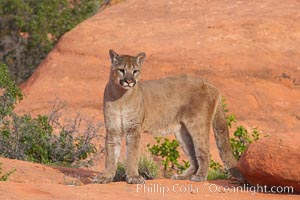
[200,135]
[187,145]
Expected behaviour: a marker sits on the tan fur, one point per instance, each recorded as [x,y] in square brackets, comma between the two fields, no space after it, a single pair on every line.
[183,105]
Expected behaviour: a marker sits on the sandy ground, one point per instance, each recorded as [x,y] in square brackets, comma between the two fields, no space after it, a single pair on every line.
[33,181]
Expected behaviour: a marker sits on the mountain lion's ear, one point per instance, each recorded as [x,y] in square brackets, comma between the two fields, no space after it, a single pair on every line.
[140,58]
[114,57]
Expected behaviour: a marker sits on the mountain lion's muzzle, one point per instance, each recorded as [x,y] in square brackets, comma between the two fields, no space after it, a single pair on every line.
[127,83]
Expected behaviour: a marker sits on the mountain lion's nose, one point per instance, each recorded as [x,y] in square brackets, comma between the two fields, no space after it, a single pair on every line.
[129,81]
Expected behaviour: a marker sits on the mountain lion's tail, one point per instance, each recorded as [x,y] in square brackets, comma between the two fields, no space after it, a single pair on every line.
[222,139]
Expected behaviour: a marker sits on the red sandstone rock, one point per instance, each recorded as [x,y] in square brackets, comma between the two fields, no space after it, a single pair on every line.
[273,161]
[248,49]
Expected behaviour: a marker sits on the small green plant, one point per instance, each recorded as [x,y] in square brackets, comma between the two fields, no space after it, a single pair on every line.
[242,139]
[26,138]
[167,151]
[231,119]
[242,136]
[121,172]
[147,168]
[5,176]
[216,171]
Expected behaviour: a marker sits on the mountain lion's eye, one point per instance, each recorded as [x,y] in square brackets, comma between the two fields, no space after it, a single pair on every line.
[122,71]
[136,71]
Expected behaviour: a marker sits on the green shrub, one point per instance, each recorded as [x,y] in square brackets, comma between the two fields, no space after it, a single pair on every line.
[167,151]
[242,136]
[26,138]
[4,177]
[11,93]
[29,29]
[242,139]
[147,168]
[169,154]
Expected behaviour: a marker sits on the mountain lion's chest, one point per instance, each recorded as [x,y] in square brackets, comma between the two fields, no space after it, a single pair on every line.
[122,117]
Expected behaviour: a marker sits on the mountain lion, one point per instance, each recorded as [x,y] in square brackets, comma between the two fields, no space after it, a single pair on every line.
[184,105]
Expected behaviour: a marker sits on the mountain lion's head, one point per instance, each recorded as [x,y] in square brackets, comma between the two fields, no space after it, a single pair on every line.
[125,69]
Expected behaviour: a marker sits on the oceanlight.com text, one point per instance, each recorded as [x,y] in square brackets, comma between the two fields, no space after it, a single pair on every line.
[209,187]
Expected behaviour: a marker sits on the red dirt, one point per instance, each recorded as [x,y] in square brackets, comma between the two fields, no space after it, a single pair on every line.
[248,49]
[39,182]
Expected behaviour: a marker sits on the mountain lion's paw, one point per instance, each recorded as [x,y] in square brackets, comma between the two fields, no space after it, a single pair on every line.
[102,179]
[186,174]
[180,177]
[135,179]
[198,178]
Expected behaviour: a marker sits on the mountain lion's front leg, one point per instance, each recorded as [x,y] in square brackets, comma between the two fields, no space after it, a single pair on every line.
[132,144]
[112,149]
